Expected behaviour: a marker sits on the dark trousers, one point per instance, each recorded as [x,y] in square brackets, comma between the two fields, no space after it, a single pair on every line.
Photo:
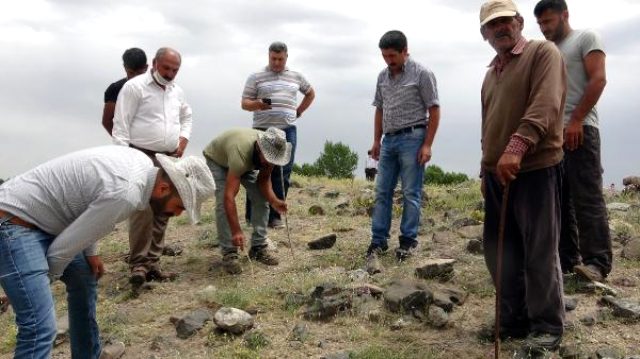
[585,226]
[277,174]
[531,278]
[370,173]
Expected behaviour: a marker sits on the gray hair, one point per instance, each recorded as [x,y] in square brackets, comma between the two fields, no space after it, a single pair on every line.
[278,46]
[165,50]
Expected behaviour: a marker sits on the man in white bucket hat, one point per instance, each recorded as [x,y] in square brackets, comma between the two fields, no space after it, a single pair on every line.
[51,219]
[246,156]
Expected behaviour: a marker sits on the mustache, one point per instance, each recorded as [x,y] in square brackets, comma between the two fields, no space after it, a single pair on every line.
[503,33]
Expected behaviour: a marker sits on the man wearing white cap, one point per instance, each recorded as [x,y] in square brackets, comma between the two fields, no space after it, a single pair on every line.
[246,156]
[51,219]
[523,97]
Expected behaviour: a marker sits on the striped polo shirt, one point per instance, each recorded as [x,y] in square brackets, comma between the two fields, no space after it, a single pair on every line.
[282,88]
[405,98]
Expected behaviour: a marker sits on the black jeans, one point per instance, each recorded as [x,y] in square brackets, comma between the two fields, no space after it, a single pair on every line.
[585,226]
[531,280]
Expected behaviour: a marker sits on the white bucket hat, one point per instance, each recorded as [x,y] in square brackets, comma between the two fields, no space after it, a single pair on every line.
[193,180]
[274,146]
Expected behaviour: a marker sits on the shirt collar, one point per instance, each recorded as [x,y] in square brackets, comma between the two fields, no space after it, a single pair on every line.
[517,50]
[267,68]
[404,66]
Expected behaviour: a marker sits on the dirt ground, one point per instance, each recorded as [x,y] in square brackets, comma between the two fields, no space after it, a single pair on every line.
[143,321]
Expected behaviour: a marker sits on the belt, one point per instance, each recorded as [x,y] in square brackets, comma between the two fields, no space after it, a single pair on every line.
[405,130]
[17,220]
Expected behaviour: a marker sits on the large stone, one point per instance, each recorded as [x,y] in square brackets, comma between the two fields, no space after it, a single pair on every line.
[470,232]
[622,307]
[323,242]
[404,296]
[616,206]
[447,298]
[316,210]
[300,332]
[475,246]
[445,237]
[441,269]
[570,303]
[192,322]
[438,317]
[233,320]
[632,250]
[465,222]
[327,301]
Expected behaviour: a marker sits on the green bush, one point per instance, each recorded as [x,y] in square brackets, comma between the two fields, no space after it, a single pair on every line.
[306,170]
[336,161]
[435,175]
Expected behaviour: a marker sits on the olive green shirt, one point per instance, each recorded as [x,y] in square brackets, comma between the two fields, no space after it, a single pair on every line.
[233,150]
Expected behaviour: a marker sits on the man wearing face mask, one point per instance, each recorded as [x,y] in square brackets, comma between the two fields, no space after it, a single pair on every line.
[152,116]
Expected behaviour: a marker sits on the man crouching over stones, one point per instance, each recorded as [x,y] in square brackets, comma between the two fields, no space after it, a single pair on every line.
[523,97]
[51,219]
[246,156]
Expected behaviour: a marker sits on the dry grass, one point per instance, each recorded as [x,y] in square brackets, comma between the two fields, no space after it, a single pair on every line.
[142,322]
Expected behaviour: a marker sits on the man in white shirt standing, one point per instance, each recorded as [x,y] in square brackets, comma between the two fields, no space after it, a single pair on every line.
[51,218]
[152,116]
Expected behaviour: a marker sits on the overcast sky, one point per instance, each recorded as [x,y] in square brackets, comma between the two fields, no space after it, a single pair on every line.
[58,57]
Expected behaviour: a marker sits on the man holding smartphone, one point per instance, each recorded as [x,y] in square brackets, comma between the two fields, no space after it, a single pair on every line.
[271,94]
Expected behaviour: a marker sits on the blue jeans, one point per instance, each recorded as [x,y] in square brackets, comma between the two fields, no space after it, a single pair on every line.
[23,276]
[398,159]
[276,177]
[259,206]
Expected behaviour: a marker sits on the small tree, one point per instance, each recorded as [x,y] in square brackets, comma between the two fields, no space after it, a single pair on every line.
[307,170]
[337,161]
[435,175]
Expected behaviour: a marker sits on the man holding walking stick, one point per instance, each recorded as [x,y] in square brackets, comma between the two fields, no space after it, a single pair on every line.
[523,97]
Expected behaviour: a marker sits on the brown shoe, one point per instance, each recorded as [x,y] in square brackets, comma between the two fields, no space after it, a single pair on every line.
[138,277]
[264,256]
[231,263]
[160,276]
[589,272]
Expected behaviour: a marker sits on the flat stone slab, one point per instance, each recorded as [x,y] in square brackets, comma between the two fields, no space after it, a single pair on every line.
[404,296]
[233,320]
[192,322]
[324,242]
[471,232]
[441,269]
[623,308]
[632,250]
[616,206]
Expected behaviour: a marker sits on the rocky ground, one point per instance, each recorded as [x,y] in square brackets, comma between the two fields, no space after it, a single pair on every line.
[319,303]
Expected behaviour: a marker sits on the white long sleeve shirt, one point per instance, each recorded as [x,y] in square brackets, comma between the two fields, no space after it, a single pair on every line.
[80,197]
[150,117]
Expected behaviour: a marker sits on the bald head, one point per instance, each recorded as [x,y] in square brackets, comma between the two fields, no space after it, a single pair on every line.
[167,63]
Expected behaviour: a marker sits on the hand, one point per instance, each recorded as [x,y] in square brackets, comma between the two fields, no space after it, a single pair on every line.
[573,135]
[261,106]
[280,206]
[4,303]
[424,155]
[375,151]
[96,265]
[182,145]
[238,240]
[508,167]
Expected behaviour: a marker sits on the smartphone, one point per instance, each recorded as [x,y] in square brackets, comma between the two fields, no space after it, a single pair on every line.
[267,101]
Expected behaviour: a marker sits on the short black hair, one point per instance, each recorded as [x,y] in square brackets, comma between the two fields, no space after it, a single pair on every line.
[134,59]
[278,47]
[393,39]
[553,5]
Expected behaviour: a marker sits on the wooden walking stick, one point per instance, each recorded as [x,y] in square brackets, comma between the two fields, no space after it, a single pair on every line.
[503,217]
[286,217]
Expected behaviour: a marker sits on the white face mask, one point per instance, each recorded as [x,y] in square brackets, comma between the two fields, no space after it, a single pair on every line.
[161,80]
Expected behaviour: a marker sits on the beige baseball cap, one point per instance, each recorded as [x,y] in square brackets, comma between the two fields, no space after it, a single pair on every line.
[493,9]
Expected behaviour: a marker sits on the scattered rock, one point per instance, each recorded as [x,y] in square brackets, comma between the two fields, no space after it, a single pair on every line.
[323,242]
[233,320]
[632,250]
[404,296]
[62,329]
[316,210]
[471,232]
[570,303]
[631,181]
[438,317]
[607,353]
[367,289]
[172,250]
[616,206]
[588,320]
[570,351]
[191,323]
[441,269]
[400,324]
[596,287]
[358,275]
[327,301]
[622,307]
[343,205]
[332,194]
[300,332]
[625,282]
[475,246]
[465,222]
[444,237]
